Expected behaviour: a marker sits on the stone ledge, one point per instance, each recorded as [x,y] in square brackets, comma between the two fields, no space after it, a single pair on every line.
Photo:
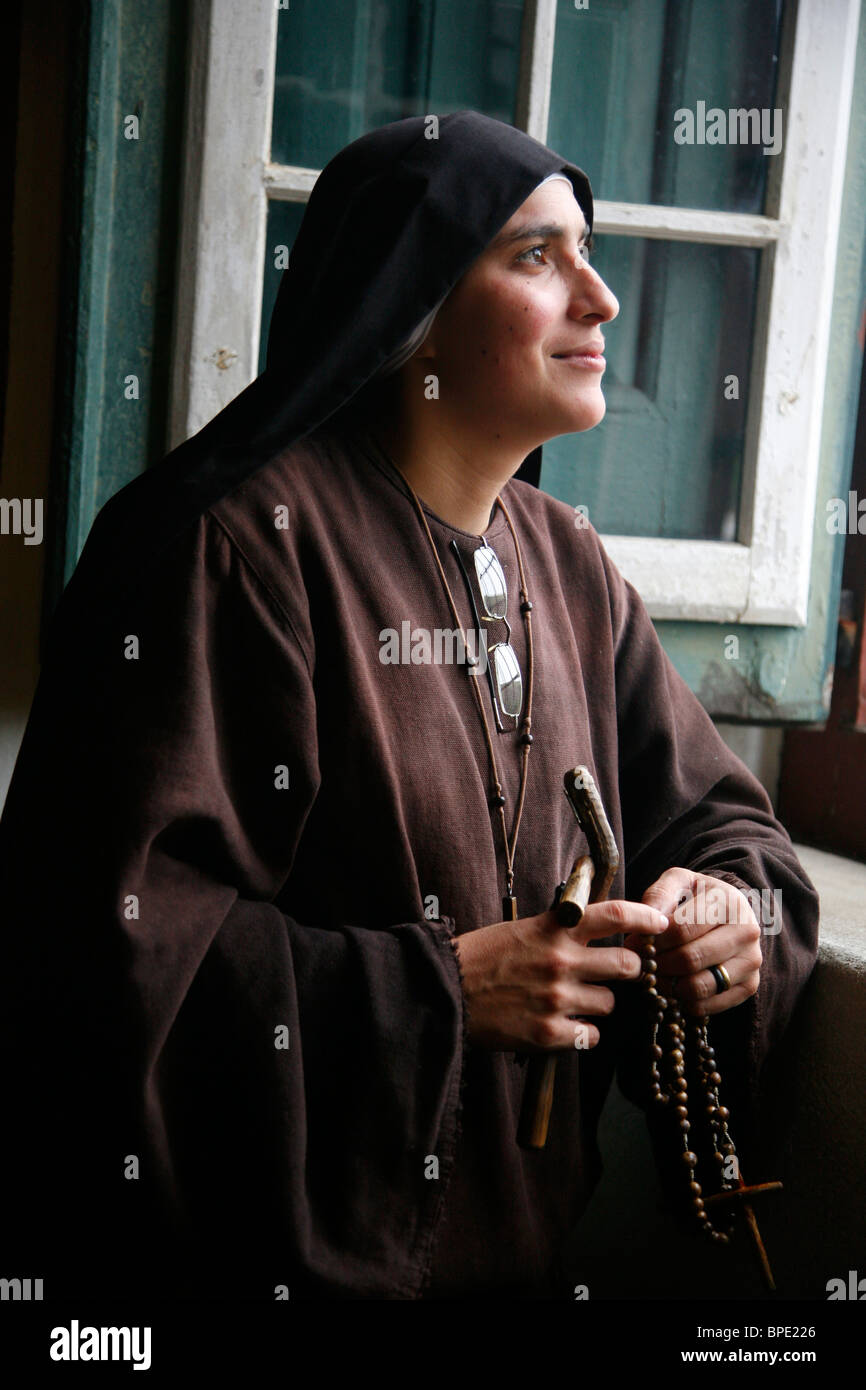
[841,887]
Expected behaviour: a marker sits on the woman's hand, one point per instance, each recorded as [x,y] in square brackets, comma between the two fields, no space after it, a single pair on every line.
[522,980]
[711,924]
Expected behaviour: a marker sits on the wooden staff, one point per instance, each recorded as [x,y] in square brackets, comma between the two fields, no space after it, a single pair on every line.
[589,881]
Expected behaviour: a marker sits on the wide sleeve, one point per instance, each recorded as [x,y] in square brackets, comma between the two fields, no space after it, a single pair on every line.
[203,1095]
[687,800]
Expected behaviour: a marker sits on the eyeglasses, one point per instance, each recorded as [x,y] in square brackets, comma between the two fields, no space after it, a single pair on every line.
[508,692]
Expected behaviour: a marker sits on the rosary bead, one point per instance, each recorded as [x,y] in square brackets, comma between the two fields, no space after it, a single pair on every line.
[497,800]
[695,1187]
[690,1158]
[676,1055]
[728,1148]
[724,1112]
[657,1051]
[683,1112]
[526,738]
[685,1126]
[715,1079]
[699,1204]
[526,606]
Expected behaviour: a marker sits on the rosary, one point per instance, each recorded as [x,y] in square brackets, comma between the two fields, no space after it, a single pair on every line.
[671,1038]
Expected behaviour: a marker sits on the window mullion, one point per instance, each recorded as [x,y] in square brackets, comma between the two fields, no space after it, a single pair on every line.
[536,67]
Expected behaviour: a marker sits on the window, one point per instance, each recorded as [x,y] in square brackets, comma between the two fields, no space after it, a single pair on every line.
[702,479]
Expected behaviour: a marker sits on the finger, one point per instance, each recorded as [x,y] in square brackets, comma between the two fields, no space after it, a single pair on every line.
[617,916]
[586,1034]
[716,947]
[610,963]
[674,886]
[702,988]
[712,904]
[554,1033]
[728,999]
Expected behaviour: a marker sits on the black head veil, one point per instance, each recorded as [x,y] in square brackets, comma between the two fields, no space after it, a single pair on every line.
[392,223]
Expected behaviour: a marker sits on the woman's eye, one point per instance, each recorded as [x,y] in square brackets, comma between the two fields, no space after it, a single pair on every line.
[530,251]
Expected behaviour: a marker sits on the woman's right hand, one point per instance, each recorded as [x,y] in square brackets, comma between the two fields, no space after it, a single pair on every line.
[523,979]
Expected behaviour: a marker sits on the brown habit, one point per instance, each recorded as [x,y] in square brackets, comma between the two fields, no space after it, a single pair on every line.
[191,906]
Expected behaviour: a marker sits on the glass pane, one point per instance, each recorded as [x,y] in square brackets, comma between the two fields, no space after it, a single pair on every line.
[284,221]
[667,460]
[348,66]
[623,69]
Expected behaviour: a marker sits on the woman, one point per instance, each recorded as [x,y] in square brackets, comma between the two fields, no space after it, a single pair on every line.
[288,979]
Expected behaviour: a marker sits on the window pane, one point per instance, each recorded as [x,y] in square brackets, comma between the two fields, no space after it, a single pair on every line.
[345,67]
[667,459]
[284,222]
[623,69]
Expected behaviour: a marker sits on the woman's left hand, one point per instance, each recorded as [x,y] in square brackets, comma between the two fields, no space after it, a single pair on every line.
[711,923]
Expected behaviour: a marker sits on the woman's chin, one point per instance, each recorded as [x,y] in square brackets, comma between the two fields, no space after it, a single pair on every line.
[584,416]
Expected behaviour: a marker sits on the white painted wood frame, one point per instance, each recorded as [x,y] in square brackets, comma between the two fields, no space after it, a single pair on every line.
[762,577]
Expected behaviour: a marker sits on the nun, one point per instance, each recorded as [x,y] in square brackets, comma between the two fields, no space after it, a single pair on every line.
[279,852]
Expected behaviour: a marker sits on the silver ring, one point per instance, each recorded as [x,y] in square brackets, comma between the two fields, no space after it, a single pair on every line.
[721,977]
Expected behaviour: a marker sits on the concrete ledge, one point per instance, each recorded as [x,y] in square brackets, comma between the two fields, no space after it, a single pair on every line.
[841,885]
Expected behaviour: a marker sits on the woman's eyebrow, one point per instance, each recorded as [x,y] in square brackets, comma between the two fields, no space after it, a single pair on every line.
[546,230]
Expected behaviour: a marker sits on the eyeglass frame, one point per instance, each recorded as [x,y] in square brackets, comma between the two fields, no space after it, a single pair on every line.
[499,713]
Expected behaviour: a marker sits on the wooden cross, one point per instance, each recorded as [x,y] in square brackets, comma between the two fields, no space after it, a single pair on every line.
[742,1194]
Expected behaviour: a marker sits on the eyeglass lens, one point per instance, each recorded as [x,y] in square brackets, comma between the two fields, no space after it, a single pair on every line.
[494,594]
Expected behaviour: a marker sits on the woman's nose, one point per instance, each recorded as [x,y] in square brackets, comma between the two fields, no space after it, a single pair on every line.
[589,288]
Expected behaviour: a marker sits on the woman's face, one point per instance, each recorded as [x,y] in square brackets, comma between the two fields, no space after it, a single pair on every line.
[517,344]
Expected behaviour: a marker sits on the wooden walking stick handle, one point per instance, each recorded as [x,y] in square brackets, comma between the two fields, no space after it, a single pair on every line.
[589,881]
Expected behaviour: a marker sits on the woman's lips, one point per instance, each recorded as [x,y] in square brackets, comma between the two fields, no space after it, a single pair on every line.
[591,361]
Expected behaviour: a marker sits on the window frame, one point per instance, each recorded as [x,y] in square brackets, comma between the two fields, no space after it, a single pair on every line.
[761,577]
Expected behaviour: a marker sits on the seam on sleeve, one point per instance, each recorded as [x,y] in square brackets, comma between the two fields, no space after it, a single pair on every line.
[266,589]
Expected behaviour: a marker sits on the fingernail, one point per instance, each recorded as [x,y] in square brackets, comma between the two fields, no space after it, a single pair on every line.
[666,920]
